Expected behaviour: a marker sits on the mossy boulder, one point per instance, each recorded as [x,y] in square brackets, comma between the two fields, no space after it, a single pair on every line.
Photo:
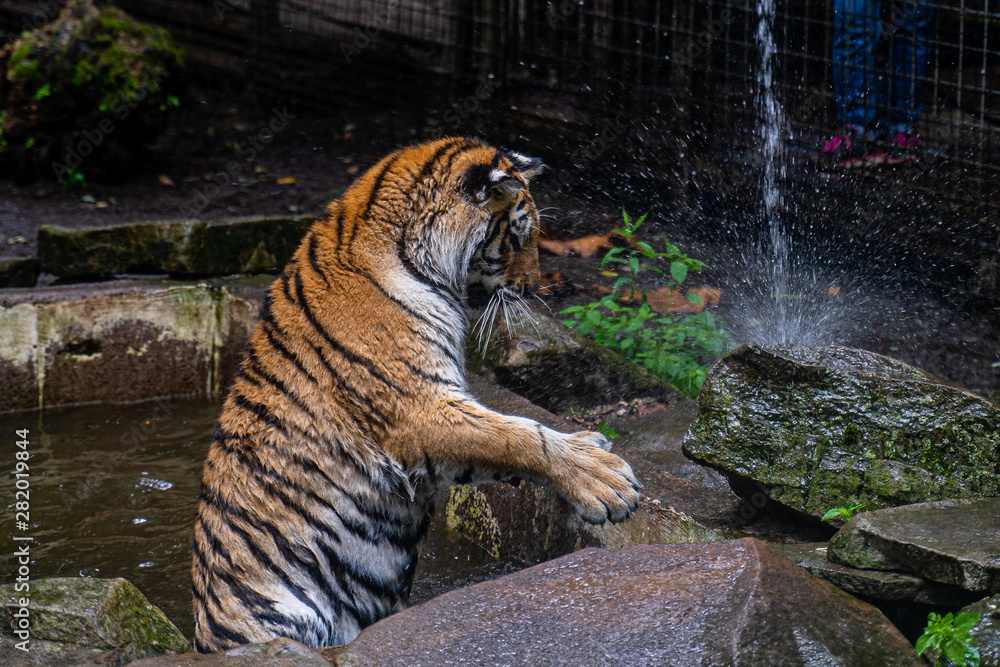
[84,93]
[818,427]
[107,621]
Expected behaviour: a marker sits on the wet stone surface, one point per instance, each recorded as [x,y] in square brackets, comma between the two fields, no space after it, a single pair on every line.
[888,586]
[122,341]
[73,621]
[529,355]
[987,630]
[816,428]
[732,602]
[953,542]
[281,652]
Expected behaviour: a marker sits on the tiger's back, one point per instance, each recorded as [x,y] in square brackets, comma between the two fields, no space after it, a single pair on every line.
[350,407]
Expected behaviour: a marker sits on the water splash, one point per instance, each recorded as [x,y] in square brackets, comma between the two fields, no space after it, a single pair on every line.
[783,298]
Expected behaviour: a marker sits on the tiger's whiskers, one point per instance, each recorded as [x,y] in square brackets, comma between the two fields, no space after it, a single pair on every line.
[513,311]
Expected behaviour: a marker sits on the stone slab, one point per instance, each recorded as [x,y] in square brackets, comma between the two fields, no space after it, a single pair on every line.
[886,586]
[119,341]
[954,542]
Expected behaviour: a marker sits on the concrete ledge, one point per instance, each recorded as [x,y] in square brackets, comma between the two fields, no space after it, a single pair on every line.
[121,341]
[181,248]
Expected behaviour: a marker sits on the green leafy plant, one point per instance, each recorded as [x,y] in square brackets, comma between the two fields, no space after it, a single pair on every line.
[952,637]
[677,348]
[606,430]
[74,179]
[844,513]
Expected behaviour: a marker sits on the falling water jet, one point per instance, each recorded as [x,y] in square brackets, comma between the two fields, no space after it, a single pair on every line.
[783,294]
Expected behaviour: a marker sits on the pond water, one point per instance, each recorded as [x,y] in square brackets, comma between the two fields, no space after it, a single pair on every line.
[114,491]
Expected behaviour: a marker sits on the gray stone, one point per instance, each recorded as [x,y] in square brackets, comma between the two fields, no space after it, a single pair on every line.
[819,427]
[181,248]
[530,523]
[718,603]
[528,355]
[122,341]
[987,630]
[281,652]
[84,621]
[887,586]
[954,542]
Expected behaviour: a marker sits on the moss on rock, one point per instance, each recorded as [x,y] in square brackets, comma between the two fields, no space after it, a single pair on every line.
[79,616]
[82,92]
[819,427]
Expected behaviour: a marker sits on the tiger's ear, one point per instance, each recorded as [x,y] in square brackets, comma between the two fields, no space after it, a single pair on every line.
[484,183]
[528,167]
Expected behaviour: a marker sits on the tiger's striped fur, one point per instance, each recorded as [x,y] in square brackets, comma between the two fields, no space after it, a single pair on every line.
[351,407]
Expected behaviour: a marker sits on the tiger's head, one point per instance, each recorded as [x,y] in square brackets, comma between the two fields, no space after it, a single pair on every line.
[505,259]
[462,214]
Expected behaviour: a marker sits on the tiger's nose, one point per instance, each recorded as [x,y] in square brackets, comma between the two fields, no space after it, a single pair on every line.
[524,284]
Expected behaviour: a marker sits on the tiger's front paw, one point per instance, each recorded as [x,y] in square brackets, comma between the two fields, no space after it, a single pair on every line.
[599,484]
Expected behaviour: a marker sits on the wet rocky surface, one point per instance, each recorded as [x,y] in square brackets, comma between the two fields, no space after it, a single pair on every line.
[987,630]
[815,428]
[84,621]
[881,585]
[955,542]
[731,602]
[281,652]
[526,355]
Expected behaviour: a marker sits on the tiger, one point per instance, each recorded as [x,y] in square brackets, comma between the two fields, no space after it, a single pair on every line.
[350,407]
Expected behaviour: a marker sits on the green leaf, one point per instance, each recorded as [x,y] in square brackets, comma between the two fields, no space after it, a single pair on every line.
[923,643]
[955,651]
[965,622]
[679,271]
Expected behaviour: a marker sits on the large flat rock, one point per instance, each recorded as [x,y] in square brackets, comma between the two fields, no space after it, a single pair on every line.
[887,586]
[952,541]
[819,427]
[718,603]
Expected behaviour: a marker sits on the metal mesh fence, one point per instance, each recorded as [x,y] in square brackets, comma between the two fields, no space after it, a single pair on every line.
[674,85]
[701,57]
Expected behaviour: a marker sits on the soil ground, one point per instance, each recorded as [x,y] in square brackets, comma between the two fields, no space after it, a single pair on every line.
[941,330]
